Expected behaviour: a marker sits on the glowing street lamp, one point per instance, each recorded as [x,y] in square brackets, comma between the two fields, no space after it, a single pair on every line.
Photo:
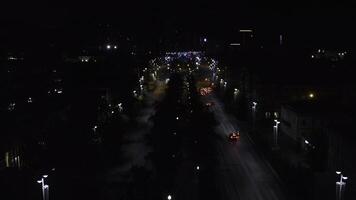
[236,92]
[275,129]
[120,107]
[94,128]
[45,187]
[169,197]
[254,104]
[221,81]
[340,185]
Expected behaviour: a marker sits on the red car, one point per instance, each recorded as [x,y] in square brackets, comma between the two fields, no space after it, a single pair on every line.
[234,136]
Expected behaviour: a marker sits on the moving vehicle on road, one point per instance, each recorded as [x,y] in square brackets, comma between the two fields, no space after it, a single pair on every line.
[234,136]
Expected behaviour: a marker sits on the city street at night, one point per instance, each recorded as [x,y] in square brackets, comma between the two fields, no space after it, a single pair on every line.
[177,101]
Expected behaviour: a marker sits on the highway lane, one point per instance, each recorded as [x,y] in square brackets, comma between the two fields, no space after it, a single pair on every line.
[240,173]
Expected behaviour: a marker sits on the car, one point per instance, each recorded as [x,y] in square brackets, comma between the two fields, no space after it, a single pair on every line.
[234,136]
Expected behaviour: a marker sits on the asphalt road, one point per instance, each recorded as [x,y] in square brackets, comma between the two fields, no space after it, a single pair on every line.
[240,172]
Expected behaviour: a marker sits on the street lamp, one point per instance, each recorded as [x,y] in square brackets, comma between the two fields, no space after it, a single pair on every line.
[46,194]
[169,197]
[120,107]
[94,128]
[340,185]
[236,92]
[254,104]
[45,187]
[275,129]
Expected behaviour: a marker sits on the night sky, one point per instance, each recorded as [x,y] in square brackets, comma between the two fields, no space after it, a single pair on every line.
[309,23]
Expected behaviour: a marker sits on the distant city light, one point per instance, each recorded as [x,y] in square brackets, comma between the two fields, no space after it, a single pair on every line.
[311,95]
[115,47]
[306,141]
[245,31]
[11,106]
[205,40]
[108,46]
[169,197]
[235,44]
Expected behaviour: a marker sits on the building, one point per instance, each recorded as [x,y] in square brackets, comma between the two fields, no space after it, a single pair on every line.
[302,120]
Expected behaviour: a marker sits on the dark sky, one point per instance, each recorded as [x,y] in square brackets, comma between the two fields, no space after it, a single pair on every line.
[148,11]
[309,20]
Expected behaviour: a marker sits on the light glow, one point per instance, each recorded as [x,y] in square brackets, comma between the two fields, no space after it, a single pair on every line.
[245,31]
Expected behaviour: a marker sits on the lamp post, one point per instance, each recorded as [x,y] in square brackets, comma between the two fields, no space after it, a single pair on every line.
[275,134]
[340,186]
[254,104]
[45,187]
[236,92]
